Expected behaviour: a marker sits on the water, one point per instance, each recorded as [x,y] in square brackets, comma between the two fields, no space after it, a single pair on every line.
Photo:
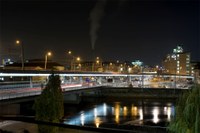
[154,112]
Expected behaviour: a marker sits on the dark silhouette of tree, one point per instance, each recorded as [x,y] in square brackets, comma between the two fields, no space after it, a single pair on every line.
[49,105]
[187,117]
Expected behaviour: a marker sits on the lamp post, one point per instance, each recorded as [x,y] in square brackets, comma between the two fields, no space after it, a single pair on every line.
[22,52]
[97,64]
[46,59]
[72,60]
[78,59]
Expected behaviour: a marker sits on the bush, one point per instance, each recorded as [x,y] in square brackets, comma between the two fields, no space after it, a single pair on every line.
[49,105]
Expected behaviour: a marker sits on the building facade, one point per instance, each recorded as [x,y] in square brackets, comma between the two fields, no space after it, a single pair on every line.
[195,71]
[178,62]
[35,64]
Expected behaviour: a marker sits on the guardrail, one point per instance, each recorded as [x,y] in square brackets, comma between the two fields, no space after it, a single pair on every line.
[18,95]
[26,92]
[11,91]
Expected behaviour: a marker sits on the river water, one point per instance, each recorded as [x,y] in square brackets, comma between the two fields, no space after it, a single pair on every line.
[120,112]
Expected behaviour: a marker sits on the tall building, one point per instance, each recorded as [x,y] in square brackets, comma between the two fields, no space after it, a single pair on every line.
[178,62]
[195,71]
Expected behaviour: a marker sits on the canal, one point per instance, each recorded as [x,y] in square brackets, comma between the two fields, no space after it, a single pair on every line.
[122,113]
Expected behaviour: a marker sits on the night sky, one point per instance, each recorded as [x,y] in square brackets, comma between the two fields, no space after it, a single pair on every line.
[124,30]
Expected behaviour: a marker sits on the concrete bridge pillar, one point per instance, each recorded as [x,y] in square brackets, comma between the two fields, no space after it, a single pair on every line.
[70,79]
[62,79]
[81,80]
[99,80]
[31,84]
[129,79]
[113,79]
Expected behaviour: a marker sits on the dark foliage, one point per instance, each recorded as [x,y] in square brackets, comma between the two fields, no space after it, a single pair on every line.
[49,106]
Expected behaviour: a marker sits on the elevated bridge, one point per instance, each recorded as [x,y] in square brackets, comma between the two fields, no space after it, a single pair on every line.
[18,83]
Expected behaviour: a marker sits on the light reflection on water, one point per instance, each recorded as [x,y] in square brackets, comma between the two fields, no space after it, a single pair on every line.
[118,113]
[155,114]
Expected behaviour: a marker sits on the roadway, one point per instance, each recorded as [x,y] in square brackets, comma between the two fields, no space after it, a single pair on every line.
[24,91]
[81,80]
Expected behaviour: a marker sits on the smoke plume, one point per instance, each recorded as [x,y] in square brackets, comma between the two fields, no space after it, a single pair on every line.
[96,15]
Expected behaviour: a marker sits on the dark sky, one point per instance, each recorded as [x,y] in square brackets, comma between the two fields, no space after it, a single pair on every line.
[129,30]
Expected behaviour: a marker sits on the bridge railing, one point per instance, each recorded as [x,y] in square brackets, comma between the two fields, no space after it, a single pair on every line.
[19,95]
[19,84]
[9,91]
[33,91]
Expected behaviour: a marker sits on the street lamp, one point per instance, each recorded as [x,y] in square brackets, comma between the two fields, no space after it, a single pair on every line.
[22,52]
[78,59]
[98,64]
[79,65]
[46,58]
[97,60]
[69,52]
[72,61]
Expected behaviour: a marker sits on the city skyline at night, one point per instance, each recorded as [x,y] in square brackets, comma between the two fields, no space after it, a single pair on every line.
[124,30]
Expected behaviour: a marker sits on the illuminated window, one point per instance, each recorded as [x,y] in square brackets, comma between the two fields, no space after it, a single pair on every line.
[173,56]
[137,62]
[179,49]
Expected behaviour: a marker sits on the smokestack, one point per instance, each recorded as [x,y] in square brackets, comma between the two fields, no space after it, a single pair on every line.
[96,15]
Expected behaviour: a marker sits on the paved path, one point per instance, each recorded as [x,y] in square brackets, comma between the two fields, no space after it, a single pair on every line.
[20,127]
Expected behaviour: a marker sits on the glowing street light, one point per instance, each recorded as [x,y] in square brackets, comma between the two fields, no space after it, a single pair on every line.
[46,59]
[72,61]
[79,66]
[69,52]
[22,52]
[97,60]
[78,58]
[17,42]
[98,64]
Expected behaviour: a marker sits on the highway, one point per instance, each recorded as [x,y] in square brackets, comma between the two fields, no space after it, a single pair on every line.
[24,91]
[81,80]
